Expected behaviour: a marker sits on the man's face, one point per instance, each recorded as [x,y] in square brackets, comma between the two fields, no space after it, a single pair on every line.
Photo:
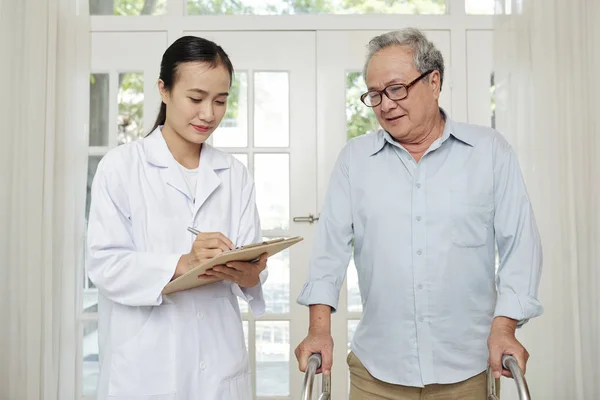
[406,120]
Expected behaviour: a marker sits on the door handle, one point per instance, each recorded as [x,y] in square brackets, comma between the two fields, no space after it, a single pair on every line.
[310,219]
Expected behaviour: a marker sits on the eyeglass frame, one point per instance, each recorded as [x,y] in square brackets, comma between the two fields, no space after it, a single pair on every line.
[384,91]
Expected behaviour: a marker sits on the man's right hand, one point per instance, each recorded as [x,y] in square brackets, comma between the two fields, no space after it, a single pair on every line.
[206,246]
[316,342]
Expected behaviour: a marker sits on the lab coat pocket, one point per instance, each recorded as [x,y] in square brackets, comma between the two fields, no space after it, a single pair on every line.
[236,389]
[223,337]
[472,217]
[145,364]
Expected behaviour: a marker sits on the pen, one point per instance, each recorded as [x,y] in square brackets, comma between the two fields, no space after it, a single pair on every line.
[197,232]
[194,231]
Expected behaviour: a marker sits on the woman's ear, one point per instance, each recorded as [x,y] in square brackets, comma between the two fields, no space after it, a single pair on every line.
[164,92]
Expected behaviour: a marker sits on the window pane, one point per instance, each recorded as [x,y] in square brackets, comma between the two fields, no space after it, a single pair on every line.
[488,7]
[354,301]
[272,177]
[272,358]
[90,358]
[233,130]
[360,119]
[277,287]
[127,7]
[99,109]
[283,7]
[271,109]
[131,107]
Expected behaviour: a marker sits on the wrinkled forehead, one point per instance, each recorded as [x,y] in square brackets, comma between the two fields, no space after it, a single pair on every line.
[393,64]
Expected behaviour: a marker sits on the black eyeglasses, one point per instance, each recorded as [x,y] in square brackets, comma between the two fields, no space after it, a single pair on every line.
[396,91]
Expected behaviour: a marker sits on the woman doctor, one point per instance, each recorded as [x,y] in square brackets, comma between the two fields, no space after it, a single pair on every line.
[187,345]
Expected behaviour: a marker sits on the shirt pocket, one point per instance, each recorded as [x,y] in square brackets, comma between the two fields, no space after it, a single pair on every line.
[472,217]
[145,364]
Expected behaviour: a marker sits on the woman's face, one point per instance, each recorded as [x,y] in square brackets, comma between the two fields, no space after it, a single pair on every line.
[198,100]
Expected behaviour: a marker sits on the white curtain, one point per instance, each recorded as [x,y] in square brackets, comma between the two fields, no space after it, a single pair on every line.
[44,67]
[547,56]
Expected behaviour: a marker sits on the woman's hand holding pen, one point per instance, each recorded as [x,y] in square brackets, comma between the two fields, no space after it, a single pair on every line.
[245,274]
[206,246]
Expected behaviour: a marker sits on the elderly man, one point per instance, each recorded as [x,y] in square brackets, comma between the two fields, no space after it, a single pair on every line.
[422,203]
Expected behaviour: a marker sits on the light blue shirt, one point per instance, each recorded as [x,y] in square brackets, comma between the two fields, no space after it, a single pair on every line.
[424,238]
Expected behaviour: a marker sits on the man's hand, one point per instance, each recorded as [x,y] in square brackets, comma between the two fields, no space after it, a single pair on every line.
[245,274]
[319,340]
[502,341]
[316,342]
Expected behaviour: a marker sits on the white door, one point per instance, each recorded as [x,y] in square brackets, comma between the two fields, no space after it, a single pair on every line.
[270,126]
[277,135]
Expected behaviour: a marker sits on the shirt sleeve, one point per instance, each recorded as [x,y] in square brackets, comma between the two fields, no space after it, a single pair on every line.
[518,240]
[121,273]
[332,248]
[250,232]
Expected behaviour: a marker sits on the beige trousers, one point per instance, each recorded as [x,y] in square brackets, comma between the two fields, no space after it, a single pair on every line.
[363,386]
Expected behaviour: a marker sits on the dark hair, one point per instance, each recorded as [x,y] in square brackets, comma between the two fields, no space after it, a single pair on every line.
[188,49]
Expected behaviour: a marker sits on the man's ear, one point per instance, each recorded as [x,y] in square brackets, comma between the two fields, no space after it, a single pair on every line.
[435,83]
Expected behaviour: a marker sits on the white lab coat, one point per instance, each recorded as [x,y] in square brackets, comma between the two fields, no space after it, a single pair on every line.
[187,345]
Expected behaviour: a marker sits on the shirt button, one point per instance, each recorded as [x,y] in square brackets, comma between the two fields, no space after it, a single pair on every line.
[421,319]
[418,185]
[419,218]
[202,365]
[419,252]
[199,315]
[420,287]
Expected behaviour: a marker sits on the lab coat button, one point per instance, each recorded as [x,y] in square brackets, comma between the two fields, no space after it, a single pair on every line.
[202,365]
[199,315]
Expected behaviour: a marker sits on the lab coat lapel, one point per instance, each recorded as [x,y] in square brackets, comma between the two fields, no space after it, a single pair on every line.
[211,161]
[175,179]
[159,155]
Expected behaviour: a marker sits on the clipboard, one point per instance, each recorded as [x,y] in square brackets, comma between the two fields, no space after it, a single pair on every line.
[249,253]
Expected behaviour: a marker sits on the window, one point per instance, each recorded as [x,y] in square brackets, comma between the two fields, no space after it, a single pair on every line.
[360,119]
[127,7]
[131,107]
[285,7]
[488,7]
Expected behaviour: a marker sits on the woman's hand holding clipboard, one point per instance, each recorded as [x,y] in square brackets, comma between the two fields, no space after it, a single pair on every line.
[214,258]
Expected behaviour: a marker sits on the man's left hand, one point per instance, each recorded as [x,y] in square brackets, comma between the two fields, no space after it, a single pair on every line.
[245,274]
[502,341]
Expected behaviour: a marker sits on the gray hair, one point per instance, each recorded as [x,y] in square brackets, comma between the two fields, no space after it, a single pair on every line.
[426,55]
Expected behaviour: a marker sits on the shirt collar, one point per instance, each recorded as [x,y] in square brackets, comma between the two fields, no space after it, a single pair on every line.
[158,153]
[463,135]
